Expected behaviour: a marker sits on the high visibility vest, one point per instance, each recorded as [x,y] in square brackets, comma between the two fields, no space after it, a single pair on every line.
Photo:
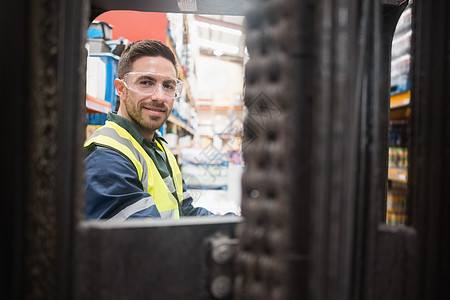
[115,137]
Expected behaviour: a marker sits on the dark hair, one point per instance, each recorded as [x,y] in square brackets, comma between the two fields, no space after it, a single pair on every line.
[140,49]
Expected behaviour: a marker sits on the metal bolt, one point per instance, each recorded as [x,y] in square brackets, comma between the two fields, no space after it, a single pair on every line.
[254,193]
[222,252]
[221,287]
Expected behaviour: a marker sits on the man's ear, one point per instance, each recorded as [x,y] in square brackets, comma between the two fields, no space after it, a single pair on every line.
[120,87]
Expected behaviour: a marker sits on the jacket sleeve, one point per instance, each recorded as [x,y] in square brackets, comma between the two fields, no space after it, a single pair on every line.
[189,210]
[113,188]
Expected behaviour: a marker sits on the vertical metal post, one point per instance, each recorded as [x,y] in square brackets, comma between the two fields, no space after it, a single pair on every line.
[43,121]
[429,162]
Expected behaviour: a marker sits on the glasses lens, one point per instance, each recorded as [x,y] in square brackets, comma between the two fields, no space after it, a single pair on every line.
[147,83]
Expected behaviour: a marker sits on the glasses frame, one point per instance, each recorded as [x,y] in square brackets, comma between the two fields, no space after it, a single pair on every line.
[178,90]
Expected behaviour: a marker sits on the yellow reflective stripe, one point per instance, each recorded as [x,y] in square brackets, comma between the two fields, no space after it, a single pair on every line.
[175,172]
[133,208]
[125,134]
[106,141]
[169,182]
[170,214]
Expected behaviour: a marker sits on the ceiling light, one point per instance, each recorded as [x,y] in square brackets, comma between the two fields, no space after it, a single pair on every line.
[218,28]
[226,29]
[218,52]
[219,46]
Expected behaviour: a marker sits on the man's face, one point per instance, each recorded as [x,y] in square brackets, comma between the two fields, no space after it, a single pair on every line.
[147,112]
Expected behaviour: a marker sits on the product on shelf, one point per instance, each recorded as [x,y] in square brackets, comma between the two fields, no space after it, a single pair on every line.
[398,158]
[396,204]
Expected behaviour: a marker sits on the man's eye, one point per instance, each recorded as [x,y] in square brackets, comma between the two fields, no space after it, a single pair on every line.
[146,83]
[169,86]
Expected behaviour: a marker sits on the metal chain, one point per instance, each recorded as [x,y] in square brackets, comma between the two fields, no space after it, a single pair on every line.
[260,262]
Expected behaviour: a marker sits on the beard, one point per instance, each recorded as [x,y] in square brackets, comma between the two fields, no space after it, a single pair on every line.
[140,115]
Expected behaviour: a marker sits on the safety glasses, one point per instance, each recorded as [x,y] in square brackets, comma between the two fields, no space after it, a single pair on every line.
[146,83]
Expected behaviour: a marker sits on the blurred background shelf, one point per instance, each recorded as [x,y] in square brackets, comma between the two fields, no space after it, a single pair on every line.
[401,99]
[94,105]
[396,174]
[180,123]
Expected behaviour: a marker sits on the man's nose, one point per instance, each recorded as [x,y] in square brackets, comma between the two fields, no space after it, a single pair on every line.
[159,92]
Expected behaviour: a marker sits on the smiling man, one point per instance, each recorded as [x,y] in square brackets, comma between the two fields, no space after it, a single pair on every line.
[130,171]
